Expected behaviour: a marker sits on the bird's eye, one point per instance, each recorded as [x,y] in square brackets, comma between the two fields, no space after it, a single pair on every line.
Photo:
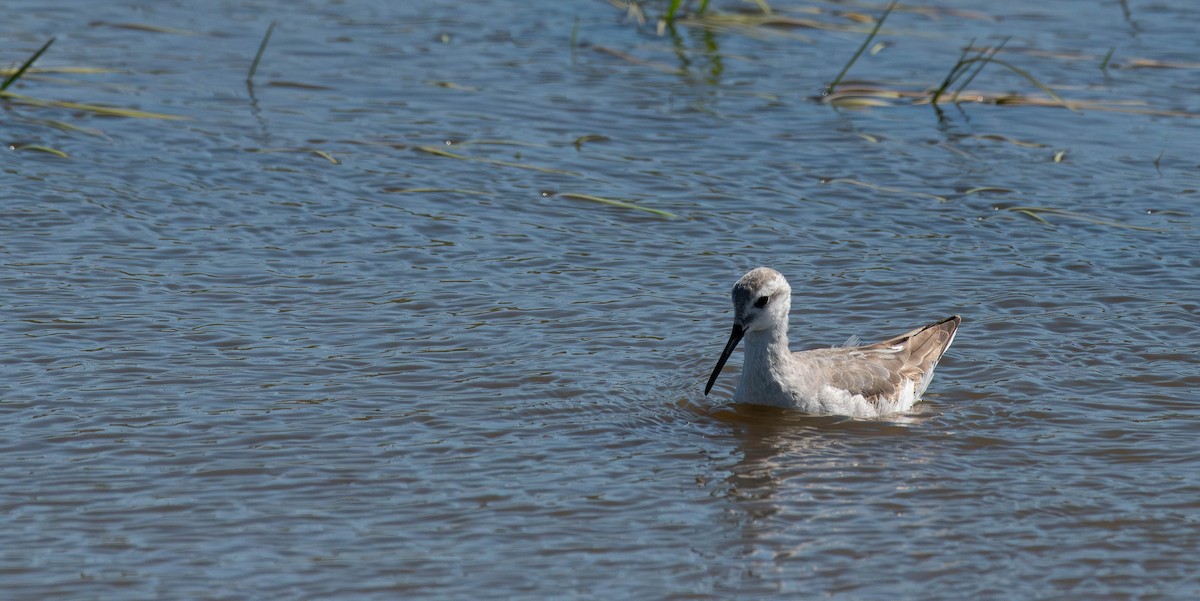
[762,301]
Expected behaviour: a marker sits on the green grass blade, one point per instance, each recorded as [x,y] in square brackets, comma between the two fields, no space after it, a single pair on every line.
[258,55]
[15,75]
[435,151]
[988,58]
[435,190]
[1107,58]
[1044,88]
[617,203]
[953,75]
[39,148]
[672,9]
[91,108]
[887,11]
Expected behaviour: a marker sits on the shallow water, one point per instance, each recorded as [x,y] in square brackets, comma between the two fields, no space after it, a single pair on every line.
[233,368]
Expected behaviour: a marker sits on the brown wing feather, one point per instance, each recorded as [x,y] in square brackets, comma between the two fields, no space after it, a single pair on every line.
[876,371]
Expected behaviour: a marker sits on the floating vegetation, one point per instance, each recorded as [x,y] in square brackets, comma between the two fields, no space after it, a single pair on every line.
[996,189]
[629,58]
[1036,213]
[762,19]
[452,155]
[40,148]
[144,27]
[862,184]
[868,94]
[71,127]
[62,70]
[581,140]
[435,190]
[1013,141]
[1147,63]
[109,111]
[616,203]
[983,59]
[449,85]
[314,151]
[21,99]
[298,85]
[489,142]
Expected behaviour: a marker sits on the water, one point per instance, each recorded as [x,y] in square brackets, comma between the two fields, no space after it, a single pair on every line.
[232,368]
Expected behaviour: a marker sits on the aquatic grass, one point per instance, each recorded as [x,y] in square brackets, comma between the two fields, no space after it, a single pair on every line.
[451,85]
[617,203]
[433,150]
[1009,140]
[866,94]
[997,189]
[675,5]
[629,58]
[866,42]
[878,188]
[987,55]
[1149,63]
[149,28]
[314,151]
[671,10]
[63,69]
[753,24]
[109,111]
[40,148]
[69,127]
[581,140]
[466,191]
[969,65]
[296,85]
[262,47]
[1036,213]
[495,142]
[1107,59]
[15,75]
[984,58]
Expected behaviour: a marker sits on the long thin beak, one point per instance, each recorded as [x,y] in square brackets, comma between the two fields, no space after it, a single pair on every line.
[734,338]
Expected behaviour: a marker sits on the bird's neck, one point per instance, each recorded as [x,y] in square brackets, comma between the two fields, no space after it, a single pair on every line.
[764,347]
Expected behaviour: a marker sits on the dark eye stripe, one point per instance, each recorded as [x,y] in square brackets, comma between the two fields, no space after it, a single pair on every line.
[762,301]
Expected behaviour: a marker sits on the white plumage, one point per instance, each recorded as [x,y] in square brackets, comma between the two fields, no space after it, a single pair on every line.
[860,381]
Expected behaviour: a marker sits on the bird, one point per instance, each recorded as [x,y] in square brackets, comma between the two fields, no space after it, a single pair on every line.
[867,381]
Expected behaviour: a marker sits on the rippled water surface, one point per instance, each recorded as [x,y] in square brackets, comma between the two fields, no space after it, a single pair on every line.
[291,348]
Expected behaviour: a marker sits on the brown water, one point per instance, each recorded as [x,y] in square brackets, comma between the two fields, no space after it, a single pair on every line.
[233,369]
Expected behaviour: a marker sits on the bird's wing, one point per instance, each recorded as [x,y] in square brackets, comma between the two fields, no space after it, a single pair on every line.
[877,371]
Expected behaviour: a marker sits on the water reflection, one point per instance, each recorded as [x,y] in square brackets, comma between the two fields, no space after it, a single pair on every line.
[708,65]
[777,444]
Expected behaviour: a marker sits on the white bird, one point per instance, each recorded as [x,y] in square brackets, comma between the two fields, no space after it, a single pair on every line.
[860,381]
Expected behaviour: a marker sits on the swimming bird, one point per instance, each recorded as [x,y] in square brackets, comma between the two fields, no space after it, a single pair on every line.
[859,381]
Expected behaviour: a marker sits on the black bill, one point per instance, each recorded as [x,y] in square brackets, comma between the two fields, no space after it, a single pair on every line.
[734,338]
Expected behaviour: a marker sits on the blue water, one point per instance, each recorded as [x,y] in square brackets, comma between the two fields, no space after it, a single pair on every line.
[281,349]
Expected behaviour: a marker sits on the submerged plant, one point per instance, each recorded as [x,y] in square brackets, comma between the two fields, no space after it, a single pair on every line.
[22,99]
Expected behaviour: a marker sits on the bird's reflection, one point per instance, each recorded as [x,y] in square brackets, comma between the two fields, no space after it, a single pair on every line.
[779,445]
